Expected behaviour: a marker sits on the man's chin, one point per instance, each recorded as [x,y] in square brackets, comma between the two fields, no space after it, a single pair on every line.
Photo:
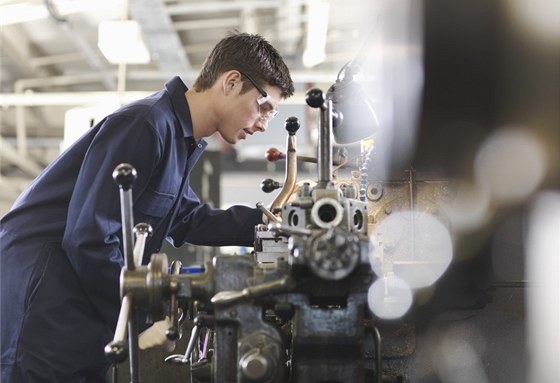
[234,140]
[242,136]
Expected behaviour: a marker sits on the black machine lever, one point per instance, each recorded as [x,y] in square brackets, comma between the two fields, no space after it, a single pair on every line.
[173,332]
[315,98]
[268,185]
[291,125]
[125,175]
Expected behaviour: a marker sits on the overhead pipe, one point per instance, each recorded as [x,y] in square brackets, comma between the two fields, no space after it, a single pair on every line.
[20,99]
[85,98]
[90,53]
[91,58]
[219,6]
[21,85]
[11,155]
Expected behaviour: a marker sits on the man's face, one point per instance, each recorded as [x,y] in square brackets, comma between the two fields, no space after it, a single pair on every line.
[249,113]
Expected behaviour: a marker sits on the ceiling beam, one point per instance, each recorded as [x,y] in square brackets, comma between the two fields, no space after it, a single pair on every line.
[160,36]
[10,154]
[199,7]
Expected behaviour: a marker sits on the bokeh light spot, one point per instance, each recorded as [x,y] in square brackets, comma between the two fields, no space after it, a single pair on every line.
[510,165]
[389,297]
[414,246]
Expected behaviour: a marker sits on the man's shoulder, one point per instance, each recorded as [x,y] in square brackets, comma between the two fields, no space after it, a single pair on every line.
[157,104]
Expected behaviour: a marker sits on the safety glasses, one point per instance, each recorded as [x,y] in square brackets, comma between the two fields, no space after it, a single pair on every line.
[263,98]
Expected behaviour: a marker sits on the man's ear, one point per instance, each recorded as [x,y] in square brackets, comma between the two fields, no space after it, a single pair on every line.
[230,80]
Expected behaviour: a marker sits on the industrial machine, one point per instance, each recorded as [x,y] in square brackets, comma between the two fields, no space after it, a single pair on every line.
[300,307]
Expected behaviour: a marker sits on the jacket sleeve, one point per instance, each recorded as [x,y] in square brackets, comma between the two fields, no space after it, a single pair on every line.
[93,235]
[200,224]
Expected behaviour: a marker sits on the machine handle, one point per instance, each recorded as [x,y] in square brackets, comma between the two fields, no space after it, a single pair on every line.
[291,125]
[287,230]
[315,98]
[125,175]
[268,213]
[270,287]
[173,332]
[143,231]
[116,351]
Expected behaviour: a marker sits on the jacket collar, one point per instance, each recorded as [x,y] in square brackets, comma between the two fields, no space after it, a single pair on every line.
[176,89]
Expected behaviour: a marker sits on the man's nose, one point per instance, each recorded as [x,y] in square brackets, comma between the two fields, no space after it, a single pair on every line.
[261,125]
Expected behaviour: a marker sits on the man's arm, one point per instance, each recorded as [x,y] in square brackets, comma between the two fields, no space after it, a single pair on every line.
[200,224]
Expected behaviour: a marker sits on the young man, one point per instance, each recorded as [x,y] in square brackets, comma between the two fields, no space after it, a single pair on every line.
[61,244]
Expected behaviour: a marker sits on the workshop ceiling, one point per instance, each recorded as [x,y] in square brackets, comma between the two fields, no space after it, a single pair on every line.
[50,59]
[50,47]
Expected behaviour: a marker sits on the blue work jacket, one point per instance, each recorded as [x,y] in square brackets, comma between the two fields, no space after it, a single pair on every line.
[62,240]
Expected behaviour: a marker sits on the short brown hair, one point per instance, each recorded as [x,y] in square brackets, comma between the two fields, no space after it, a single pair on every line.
[250,54]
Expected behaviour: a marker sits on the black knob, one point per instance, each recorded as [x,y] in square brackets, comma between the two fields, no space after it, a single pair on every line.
[116,352]
[291,125]
[172,333]
[315,98]
[143,228]
[124,175]
[268,185]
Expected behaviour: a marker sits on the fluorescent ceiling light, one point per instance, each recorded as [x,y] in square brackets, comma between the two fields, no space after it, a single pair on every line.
[23,12]
[121,42]
[316,40]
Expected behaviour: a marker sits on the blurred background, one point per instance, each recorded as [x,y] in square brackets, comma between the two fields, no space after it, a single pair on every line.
[460,91]
[67,63]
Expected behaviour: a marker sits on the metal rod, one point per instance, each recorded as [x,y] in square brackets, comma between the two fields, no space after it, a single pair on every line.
[280,229]
[192,342]
[115,373]
[268,213]
[133,347]
[143,231]
[125,175]
[324,149]
[120,331]
[128,241]
[412,192]
[378,355]
[116,350]
[291,174]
